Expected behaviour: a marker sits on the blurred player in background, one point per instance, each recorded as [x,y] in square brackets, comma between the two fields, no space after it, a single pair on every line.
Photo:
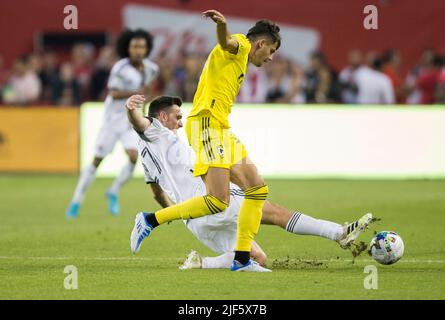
[133,74]
[168,168]
[220,156]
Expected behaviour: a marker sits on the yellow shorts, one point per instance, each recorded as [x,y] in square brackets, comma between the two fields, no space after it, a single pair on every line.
[214,145]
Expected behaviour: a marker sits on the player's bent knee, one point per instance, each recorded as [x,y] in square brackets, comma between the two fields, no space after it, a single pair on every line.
[221,197]
[257,193]
[214,204]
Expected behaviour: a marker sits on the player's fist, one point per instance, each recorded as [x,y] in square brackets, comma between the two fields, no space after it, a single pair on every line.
[214,15]
[135,101]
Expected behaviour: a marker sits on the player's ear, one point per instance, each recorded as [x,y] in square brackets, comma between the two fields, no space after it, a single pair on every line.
[164,115]
[261,43]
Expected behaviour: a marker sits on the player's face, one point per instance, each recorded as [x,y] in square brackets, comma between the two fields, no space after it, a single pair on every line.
[172,118]
[264,52]
[137,49]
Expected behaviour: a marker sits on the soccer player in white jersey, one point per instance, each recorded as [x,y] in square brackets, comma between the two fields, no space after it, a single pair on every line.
[133,74]
[168,164]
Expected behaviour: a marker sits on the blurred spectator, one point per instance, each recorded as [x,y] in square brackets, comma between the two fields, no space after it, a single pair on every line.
[428,80]
[167,83]
[278,79]
[67,88]
[285,82]
[347,77]
[320,80]
[194,64]
[423,79]
[374,87]
[363,80]
[35,63]
[99,78]
[173,75]
[49,75]
[23,86]
[440,91]
[254,88]
[3,75]
[82,59]
[391,61]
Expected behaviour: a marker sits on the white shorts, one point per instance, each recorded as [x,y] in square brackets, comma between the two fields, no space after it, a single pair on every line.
[218,231]
[108,137]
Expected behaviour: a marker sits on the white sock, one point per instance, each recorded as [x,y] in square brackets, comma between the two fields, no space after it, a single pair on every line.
[85,179]
[302,224]
[223,261]
[123,177]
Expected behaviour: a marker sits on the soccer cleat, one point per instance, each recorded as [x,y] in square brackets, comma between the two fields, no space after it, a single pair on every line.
[193,261]
[353,230]
[73,210]
[140,231]
[251,266]
[113,203]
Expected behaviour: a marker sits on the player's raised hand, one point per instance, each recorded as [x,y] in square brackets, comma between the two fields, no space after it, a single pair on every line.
[214,15]
[135,101]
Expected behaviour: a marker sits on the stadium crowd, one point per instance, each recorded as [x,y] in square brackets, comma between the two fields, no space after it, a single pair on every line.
[369,78]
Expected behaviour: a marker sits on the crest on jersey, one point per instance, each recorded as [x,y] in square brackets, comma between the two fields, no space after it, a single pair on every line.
[221,151]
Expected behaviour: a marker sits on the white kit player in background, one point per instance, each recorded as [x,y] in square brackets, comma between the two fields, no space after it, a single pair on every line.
[131,75]
[168,164]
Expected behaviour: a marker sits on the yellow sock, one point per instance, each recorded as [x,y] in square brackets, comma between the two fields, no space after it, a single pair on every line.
[249,217]
[192,208]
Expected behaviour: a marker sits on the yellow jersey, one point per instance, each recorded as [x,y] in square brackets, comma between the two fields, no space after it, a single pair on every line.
[220,81]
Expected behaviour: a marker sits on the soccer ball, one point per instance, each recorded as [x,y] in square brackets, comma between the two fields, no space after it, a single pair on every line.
[386,247]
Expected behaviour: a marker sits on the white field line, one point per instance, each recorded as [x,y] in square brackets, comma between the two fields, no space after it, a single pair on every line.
[183,258]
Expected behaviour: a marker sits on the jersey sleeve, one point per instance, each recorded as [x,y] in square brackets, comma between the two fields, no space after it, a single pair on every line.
[116,81]
[153,131]
[243,45]
[147,175]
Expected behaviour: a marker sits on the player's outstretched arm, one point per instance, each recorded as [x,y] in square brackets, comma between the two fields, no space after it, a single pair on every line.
[224,39]
[133,105]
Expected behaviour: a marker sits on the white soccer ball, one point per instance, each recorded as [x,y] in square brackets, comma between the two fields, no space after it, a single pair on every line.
[386,247]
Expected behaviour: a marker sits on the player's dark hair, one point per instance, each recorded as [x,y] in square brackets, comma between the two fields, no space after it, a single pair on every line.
[161,103]
[265,28]
[123,42]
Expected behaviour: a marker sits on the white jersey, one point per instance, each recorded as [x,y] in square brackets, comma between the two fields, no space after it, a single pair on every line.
[169,161]
[125,77]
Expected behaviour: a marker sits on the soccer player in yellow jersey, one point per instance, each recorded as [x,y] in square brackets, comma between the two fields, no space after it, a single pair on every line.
[220,157]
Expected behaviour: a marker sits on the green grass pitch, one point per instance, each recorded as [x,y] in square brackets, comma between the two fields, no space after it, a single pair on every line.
[37,242]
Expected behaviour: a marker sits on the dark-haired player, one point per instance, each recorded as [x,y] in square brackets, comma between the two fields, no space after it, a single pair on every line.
[220,157]
[131,75]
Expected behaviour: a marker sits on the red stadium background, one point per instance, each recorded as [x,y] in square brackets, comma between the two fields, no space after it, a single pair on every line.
[339,22]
